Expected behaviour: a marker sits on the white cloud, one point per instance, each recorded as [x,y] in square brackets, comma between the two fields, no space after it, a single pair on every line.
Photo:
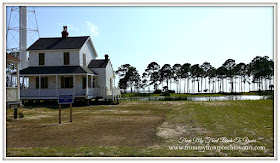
[70,27]
[92,28]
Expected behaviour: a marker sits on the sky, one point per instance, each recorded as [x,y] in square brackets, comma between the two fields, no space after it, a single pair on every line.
[166,35]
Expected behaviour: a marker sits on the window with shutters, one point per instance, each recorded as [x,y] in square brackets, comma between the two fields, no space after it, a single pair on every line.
[41,58]
[67,82]
[44,82]
[66,58]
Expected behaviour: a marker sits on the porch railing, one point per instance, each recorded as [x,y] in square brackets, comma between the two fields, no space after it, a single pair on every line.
[52,92]
[12,94]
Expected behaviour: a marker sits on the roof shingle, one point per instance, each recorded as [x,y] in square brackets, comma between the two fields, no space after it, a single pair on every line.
[59,43]
[99,63]
[56,70]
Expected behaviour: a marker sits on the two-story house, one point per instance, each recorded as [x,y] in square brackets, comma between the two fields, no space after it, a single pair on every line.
[68,65]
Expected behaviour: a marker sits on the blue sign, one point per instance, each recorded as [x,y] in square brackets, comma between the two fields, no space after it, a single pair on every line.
[65,99]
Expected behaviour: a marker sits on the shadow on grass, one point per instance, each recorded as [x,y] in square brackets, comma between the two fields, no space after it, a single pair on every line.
[51,125]
[54,105]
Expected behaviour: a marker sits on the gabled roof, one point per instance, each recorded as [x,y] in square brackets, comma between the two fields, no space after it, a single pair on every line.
[99,63]
[56,70]
[59,43]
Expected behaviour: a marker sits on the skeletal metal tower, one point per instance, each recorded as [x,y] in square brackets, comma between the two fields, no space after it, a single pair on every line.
[22,31]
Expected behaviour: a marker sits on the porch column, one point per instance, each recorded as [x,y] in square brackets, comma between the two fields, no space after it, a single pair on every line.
[56,84]
[74,84]
[18,82]
[86,85]
[91,85]
[39,85]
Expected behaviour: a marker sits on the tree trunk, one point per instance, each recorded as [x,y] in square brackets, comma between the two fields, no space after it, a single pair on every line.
[192,85]
[197,85]
[241,84]
[205,83]
[179,85]
[244,84]
[167,83]
[201,84]
[209,81]
[226,84]
[185,86]
[213,89]
[223,89]
[188,84]
[249,87]
[220,85]
[259,84]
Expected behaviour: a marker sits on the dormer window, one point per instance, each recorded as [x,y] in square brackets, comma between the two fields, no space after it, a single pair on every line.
[66,58]
[41,58]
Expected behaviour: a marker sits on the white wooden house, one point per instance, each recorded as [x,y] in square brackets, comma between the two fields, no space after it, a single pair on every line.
[68,65]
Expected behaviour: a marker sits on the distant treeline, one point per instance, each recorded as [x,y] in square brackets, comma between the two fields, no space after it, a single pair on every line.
[258,73]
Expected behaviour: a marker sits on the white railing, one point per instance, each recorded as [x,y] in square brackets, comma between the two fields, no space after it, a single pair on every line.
[113,91]
[12,94]
[116,91]
[90,91]
[99,92]
[52,92]
[46,92]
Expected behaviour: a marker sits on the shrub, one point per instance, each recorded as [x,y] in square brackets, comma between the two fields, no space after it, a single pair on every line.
[271,97]
[165,94]
[158,91]
[142,94]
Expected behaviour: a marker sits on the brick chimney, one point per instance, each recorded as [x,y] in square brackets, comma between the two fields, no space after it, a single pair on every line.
[64,32]
[106,57]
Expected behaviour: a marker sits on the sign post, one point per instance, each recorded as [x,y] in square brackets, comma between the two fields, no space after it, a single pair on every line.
[65,99]
[70,112]
[59,113]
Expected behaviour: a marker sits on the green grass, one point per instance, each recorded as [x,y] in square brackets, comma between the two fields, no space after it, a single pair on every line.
[124,95]
[188,119]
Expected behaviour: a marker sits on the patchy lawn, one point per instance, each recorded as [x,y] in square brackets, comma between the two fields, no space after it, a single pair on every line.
[141,129]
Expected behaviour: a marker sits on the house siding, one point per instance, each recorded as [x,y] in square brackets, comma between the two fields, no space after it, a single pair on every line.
[51,82]
[78,82]
[32,82]
[86,49]
[54,58]
[109,74]
[104,75]
[101,76]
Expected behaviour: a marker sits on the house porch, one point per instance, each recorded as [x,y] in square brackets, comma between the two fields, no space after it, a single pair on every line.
[81,86]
